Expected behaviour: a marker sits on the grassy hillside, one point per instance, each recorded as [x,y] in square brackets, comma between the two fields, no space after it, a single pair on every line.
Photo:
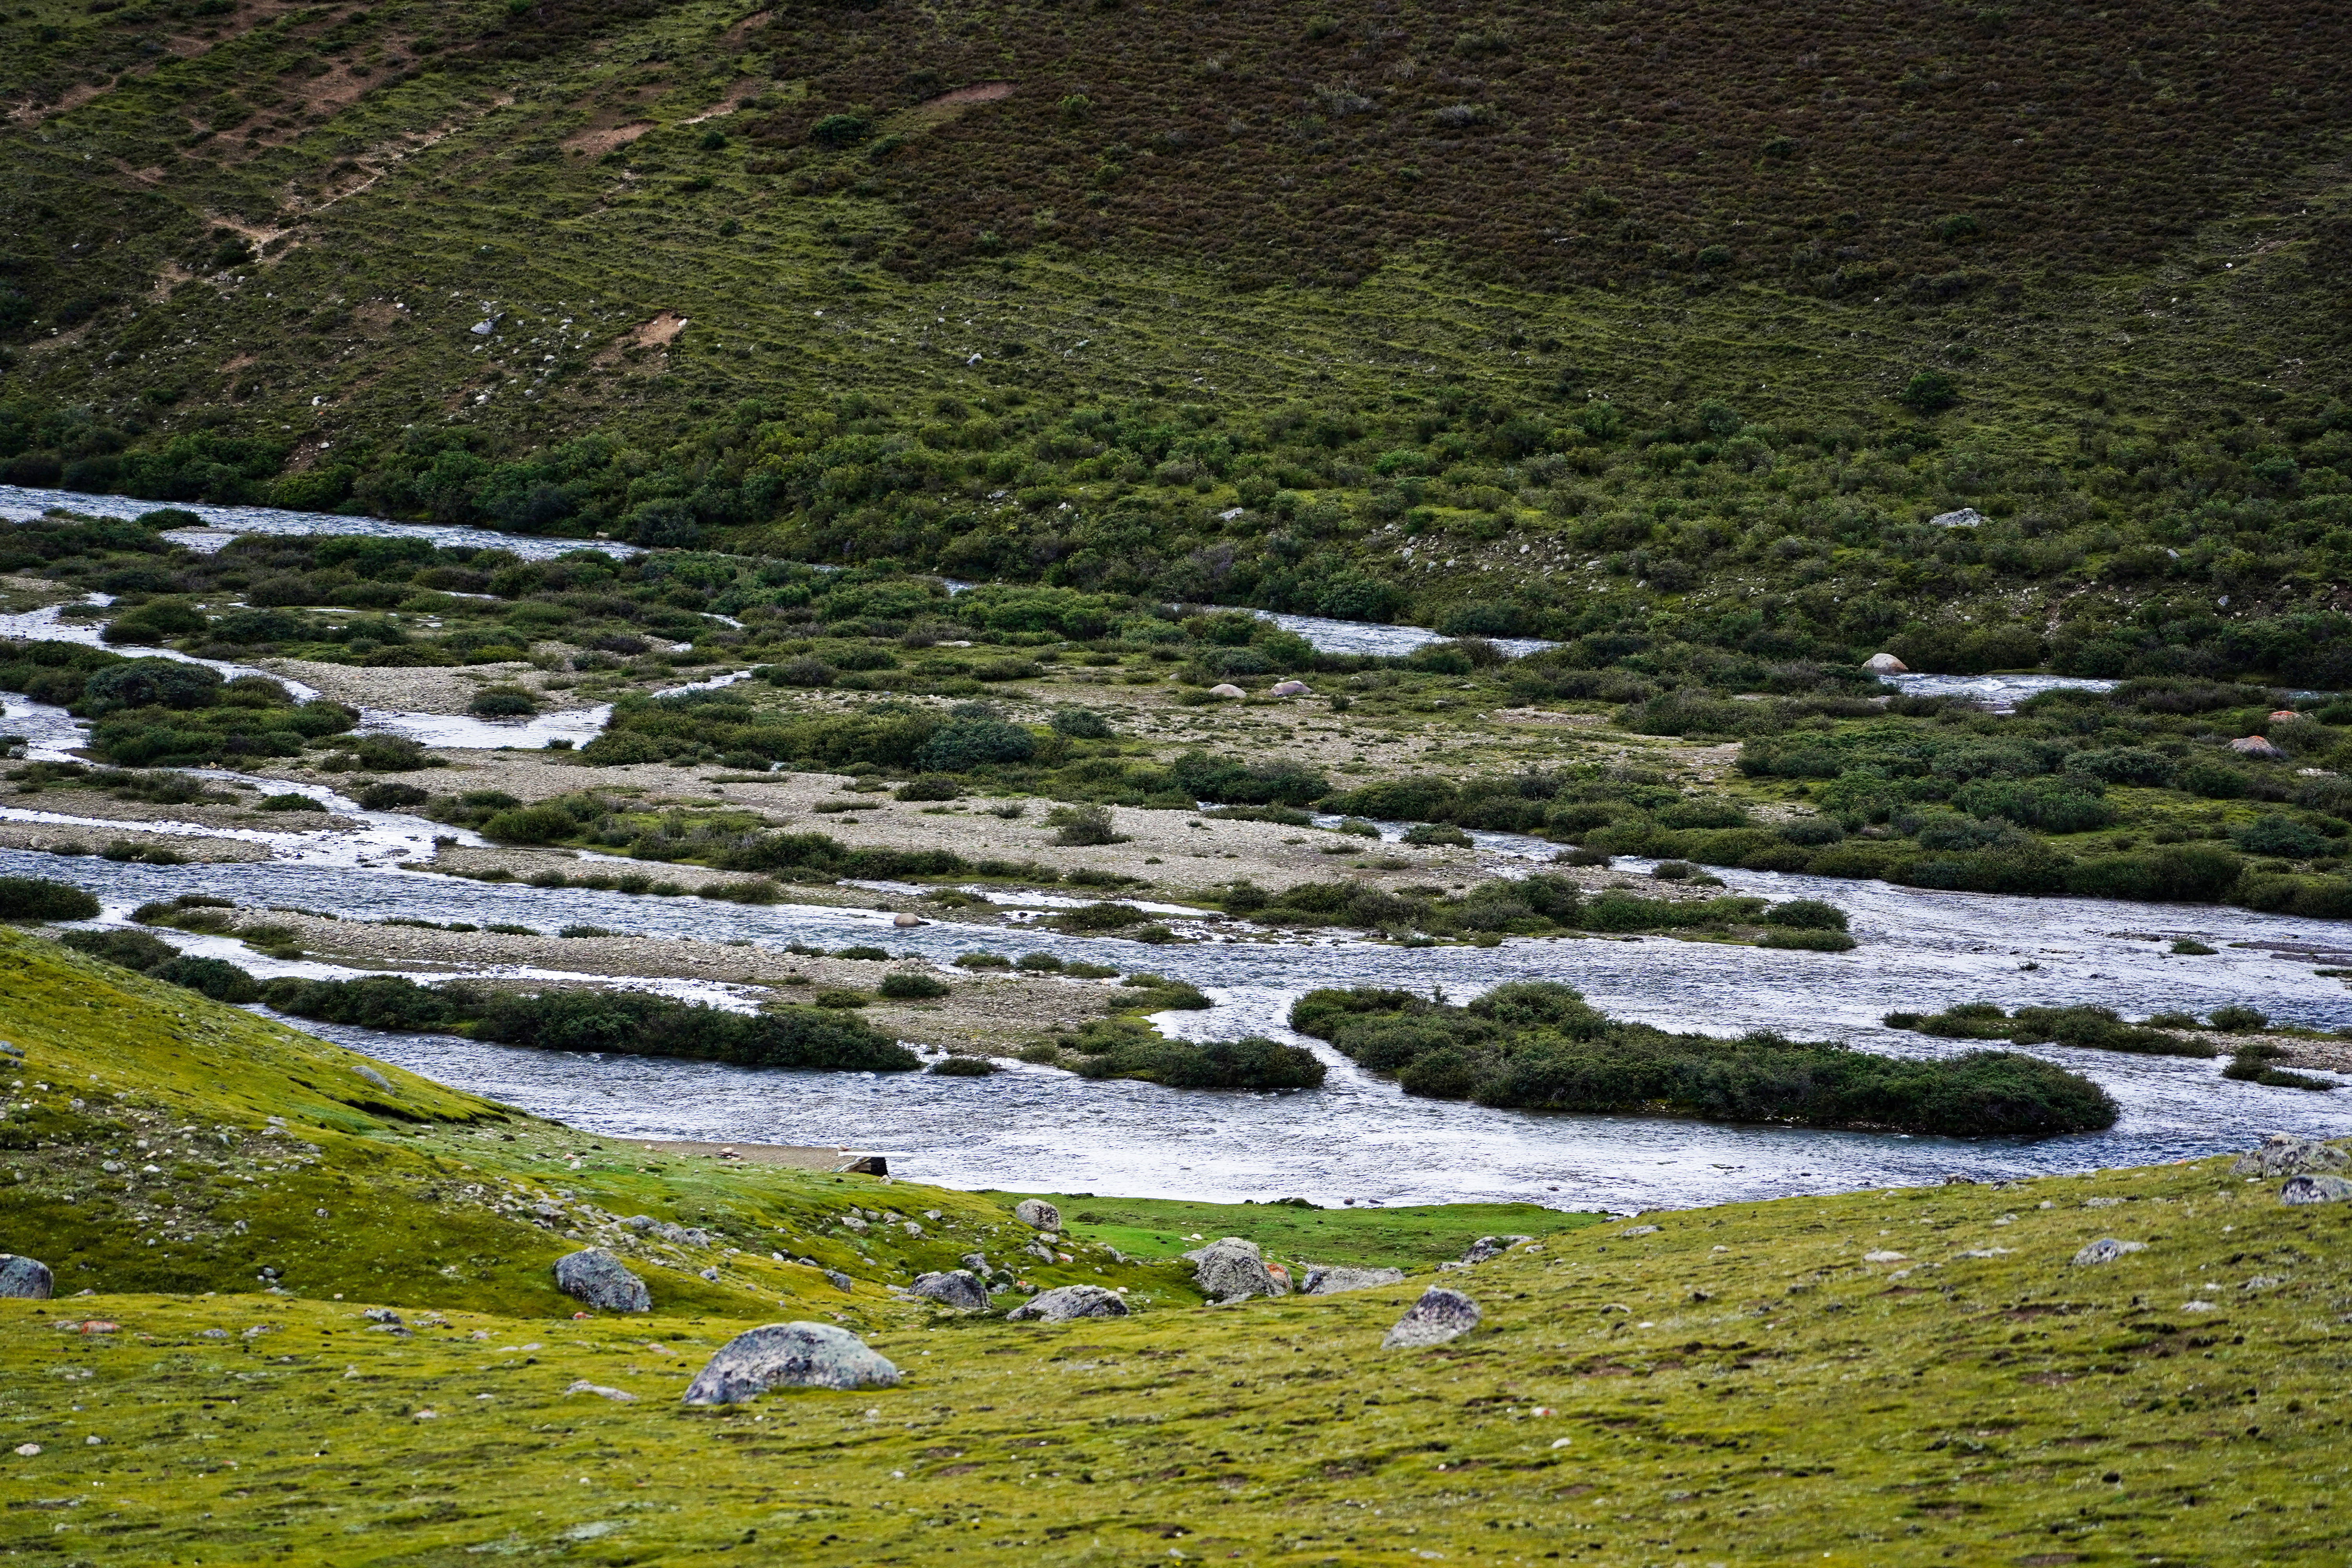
[1619,320]
[1917,1373]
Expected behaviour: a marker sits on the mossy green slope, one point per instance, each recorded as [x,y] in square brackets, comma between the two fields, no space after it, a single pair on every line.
[1914,1375]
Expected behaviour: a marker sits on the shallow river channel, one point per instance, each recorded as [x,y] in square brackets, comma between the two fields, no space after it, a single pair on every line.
[1357,1138]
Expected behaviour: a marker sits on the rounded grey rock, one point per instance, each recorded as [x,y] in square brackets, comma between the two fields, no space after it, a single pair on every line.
[595,1277]
[1331,1281]
[788,1355]
[25,1279]
[957,1288]
[2285,1155]
[1037,1214]
[2106,1249]
[2315,1190]
[1440,1315]
[1068,1301]
[1231,1269]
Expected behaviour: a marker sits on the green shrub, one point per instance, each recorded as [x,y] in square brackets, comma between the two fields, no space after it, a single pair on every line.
[213,977]
[903,986]
[964,1067]
[2237,1020]
[1126,1049]
[130,949]
[1437,833]
[1806,914]
[36,899]
[1809,940]
[1538,1045]
[1081,723]
[964,744]
[930,787]
[981,961]
[502,702]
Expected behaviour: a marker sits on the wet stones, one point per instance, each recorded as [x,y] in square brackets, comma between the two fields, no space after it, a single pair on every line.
[788,1355]
[1439,1316]
[2285,1155]
[1231,1270]
[596,1277]
[957,1288]
[25,1279]
[1067,1301]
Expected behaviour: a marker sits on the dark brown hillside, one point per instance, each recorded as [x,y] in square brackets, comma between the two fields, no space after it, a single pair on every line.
[1844,149]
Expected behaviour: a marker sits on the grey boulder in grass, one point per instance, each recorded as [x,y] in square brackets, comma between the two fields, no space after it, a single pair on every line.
[1064,1302]
[1231,1270]
[1439,1316]
[595,1277]
[957,1288]
[2285,1155]
[2107,1249]
[788,1355]
[25,1279]
[2315,1190]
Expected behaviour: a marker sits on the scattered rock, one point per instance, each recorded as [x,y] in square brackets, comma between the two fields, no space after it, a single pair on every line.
[978,1263]
[1291,688]
[957,1288]
[1231,1270]
[600,1391]
[1228,690]
[2106,1249]
[711,1275]
[788,1355]
[1037,1214]
[1068,1301]
[1331,1281]
[373,1076]
[1884,1256]
[1440,1315]
[2315,1190]
[25,1279]
[1492,1246]
[864,1165]
[1885,664]
[1637,1230]
[1965,517]
[596,1277]
[382,1315]
[2257,747]
[840,1281]
[904,921]
[2285,1155]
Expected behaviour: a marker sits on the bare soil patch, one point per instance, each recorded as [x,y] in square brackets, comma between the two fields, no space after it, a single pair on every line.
[599,139]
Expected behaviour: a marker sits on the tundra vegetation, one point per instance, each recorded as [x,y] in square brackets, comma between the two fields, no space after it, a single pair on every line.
[237,1213]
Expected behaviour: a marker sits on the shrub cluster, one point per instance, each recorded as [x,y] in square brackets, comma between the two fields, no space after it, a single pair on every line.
[621,1022]
[2095,1029]
[1536,1045]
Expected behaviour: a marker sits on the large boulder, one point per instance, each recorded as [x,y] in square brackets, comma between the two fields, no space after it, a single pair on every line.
[788,1355]
[957,1288]
[1331,1281]
[1440,1315]
[1067,1301]
[2285,1155]
[2315,1190]
[25,1279]
[1037,1214]
[1885,664]
[595,1277]
[1231,1270]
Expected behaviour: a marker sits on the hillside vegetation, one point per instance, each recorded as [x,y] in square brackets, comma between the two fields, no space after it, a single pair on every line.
[1620,321]
[1918,1373]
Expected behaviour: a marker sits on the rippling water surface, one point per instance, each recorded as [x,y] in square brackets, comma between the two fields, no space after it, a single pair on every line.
[1357,1137]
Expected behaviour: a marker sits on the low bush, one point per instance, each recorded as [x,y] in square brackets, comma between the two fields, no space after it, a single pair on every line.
[619,1022]
[964,1067]
[38,899]
[1125,1048]
[1538,1045]
[2093,1028]
[908,987]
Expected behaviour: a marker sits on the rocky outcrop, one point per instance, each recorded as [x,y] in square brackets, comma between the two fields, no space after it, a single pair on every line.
[1331,1281]
[2106,1249]
[1488,1248]
[1439,1316]
[2285,1155]
[1037,1214]
[957,1288]
[1231,1270]
[1067,1301]
[25,1279]
[596,1277]
[788,1355]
